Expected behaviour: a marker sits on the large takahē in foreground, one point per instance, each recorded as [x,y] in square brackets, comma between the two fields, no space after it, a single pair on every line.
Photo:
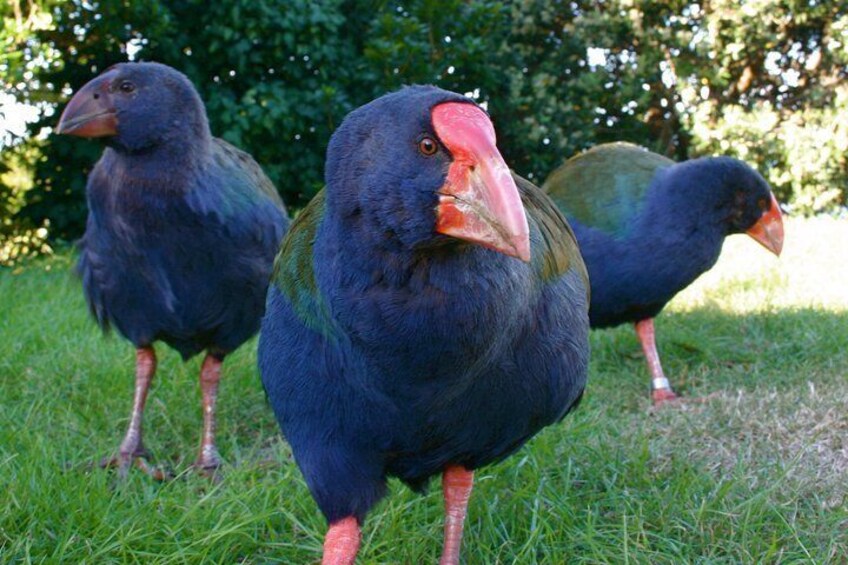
[648,227]
[181,235]
[428,313]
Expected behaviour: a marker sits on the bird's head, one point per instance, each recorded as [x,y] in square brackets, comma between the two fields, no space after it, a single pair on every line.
[136,107]
[749,206]
[420,167]
[726,194]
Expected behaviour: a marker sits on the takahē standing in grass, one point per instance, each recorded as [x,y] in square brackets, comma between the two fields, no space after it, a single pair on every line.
[428,313]
[181,235]
[648,227]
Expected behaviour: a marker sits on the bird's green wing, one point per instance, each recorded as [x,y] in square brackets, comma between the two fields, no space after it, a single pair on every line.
[232,158]
[555,248]
[294,271]
[605,186]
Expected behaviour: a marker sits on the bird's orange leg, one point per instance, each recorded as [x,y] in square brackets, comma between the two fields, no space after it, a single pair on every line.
[341,544]
[456,485]
[132,448]
[208,460]
[660,387]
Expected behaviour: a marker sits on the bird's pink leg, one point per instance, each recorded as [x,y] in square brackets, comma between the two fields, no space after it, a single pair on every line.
[208,459]
[132,448]
[341,544]
[660,387]
[456,485]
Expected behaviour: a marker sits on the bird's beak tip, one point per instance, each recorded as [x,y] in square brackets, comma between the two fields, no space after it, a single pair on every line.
[768,231]
[89,113]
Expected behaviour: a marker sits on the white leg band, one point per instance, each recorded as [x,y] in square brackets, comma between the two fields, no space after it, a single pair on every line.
[660,383]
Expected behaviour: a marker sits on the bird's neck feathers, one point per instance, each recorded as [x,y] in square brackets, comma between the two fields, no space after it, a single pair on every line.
[177,157]
[411,306]
[439,280]
[691,199]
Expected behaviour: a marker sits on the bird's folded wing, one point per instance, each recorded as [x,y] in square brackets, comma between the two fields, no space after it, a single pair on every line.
[604,187]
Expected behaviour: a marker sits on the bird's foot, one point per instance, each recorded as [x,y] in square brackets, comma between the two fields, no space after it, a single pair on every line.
[664,397]
[124,460]
[208,462]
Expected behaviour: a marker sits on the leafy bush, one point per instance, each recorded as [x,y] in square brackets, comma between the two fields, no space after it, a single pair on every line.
[761,80]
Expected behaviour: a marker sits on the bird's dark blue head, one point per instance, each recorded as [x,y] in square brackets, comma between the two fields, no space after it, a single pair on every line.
[420,164]
[138,108]
[728,190]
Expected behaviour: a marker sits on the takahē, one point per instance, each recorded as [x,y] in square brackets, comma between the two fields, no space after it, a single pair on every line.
[181,234]
[428,313]
[648,227]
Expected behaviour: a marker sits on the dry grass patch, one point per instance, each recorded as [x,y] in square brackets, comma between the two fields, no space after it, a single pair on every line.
[788,440]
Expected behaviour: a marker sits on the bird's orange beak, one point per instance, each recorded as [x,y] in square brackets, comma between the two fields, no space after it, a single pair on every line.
[90,113]
[479,201]
[768,231]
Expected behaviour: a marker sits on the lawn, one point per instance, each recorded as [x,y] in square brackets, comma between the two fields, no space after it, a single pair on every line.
[757,473]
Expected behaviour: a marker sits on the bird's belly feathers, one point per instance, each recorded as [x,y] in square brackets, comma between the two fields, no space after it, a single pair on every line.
[171,287]
[452,399]
[530,380]
[633,279]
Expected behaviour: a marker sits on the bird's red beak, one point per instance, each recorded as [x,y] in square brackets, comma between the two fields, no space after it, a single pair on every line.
[768,231]
[90,113]
[479,201]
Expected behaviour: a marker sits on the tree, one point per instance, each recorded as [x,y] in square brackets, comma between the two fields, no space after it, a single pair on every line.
[762,80]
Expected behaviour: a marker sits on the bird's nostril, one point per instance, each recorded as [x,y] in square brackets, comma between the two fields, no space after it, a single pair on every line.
[96,96]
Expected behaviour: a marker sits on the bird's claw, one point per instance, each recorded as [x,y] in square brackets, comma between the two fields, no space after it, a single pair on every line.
[663,396]
[123,461]
[666,398]
[209,463]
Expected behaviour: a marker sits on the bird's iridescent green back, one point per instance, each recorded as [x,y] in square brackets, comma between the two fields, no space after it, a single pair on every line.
[605,186]
[294,272]
[558,251]
[254,183]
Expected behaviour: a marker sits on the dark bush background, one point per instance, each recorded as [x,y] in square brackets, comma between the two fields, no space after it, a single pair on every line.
[764,82]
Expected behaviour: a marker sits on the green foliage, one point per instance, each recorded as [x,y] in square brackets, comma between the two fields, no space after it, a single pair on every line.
[777,95]
[763,80]
[272,75]
[18,239]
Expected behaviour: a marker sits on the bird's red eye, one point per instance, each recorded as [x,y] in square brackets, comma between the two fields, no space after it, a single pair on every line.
[126,87]
[427,146]
[763,204]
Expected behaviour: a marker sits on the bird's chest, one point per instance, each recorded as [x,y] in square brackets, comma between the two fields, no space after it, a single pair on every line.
[668,262]
[139,214]
[433,325]
[157,245]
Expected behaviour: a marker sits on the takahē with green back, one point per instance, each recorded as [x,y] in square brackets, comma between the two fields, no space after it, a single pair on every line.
[428,313]
[181,234]
[648,227]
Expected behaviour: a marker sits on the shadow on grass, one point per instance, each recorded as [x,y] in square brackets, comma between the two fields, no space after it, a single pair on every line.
[706,350]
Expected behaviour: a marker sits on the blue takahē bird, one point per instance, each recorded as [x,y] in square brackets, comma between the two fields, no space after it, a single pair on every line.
[428,313]
[648,227]
[181,235]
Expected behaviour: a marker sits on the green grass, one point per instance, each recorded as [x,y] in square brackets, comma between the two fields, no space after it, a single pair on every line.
[757,474]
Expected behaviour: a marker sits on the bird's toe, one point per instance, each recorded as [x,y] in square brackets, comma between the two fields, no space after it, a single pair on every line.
[663,397]
[123,461]
[671,400]
[209,462]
